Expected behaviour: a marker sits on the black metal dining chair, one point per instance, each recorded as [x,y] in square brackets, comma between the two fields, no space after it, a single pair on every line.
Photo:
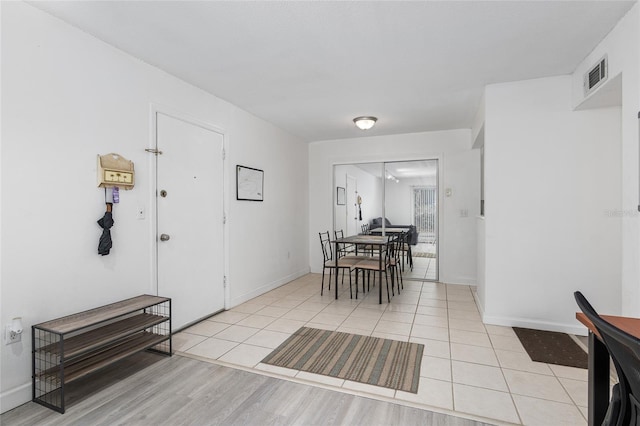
[624,349]
[379,263]
[395,262]
[406,250]
[367,249]
[329,262]
[345,249]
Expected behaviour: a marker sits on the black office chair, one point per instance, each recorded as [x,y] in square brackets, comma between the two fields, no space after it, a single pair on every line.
[624,349]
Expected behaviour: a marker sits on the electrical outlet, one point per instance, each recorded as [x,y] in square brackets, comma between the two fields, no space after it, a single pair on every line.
[10,336]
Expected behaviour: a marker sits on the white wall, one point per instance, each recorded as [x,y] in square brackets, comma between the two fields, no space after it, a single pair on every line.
[369,189]
[458,244]
[481,287]
[398,202]
[551,176]
[460,168]
[399,198]
[68,97]
[340,180]
[622,46]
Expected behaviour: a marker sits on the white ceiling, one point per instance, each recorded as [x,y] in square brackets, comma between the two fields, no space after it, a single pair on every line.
[310,67]
[402,169]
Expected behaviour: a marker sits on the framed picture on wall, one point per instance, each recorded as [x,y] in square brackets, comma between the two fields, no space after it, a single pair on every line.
[341,197]
[249,184]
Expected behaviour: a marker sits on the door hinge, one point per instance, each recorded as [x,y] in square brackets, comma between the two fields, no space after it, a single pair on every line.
[224,281]
[224,219]
[153,151]
[224,154]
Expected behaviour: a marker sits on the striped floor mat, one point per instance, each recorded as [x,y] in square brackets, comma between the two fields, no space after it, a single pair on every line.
[380,362]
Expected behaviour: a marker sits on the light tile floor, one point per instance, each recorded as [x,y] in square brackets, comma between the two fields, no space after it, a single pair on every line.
[468,368]
[424,268]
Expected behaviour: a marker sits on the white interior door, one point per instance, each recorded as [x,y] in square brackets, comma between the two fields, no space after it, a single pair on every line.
[190,243]
[352,206]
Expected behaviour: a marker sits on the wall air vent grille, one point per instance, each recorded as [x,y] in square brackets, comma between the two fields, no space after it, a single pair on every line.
[595,76]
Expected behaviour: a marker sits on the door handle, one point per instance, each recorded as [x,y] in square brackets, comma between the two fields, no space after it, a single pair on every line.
[164,237]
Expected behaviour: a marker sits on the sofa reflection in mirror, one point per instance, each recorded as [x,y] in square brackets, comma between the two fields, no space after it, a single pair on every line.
[376,223]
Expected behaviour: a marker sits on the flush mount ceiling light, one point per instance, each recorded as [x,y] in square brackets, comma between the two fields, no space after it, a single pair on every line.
[365,123]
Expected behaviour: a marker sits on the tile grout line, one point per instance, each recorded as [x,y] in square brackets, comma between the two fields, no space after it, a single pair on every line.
[453,398]
[312,297]
[506,382]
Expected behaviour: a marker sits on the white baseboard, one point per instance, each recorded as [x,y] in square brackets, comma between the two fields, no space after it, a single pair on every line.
[458,280]
[577,329]
[15,397]
[478,302]
[266,288]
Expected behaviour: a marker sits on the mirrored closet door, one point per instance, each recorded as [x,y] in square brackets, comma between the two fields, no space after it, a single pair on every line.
[405,193]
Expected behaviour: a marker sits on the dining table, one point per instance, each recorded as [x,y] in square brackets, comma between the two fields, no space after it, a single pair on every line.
[389,230]
[360,241]
[395,231]
[599,371]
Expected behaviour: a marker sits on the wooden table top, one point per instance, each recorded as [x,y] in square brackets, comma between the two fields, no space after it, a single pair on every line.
[363,239]
[628,324]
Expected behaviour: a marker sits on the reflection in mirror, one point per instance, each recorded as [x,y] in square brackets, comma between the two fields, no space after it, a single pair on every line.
[411,205]
[406,194]
[363,196]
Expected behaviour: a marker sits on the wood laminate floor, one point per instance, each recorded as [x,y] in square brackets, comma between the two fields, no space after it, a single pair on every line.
[150,389]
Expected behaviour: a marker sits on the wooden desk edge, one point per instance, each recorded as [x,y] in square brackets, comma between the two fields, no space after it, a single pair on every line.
[628,324]
[580,316]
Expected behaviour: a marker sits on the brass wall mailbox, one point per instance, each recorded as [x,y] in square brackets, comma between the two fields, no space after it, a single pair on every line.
[115,170]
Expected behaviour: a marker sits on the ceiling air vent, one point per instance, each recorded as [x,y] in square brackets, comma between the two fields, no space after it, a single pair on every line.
[595,76]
